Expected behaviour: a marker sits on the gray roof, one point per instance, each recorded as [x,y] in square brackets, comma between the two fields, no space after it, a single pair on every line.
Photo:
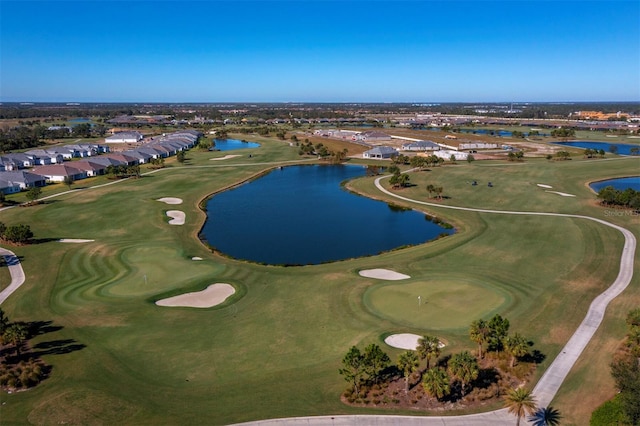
[382,150]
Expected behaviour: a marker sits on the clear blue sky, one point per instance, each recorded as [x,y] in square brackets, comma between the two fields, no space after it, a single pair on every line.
[319,51]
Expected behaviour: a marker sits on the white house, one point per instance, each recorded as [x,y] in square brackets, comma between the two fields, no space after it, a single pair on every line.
[125,137]
[446,154]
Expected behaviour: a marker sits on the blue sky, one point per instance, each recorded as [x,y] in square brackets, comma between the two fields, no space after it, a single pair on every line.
[319,51]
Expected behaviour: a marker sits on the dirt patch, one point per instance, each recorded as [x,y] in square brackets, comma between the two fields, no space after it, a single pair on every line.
[226,157]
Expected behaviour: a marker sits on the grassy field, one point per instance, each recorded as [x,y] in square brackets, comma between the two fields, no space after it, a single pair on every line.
[274,349]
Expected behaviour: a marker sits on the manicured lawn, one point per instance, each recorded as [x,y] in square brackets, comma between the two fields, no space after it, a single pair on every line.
[275,348]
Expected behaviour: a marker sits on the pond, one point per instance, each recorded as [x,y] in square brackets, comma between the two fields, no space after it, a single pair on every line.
[619,148]
[301,215]
[231,144]
[620,184]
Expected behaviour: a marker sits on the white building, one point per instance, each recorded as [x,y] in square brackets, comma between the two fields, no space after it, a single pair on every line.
[446,154]
[125,137]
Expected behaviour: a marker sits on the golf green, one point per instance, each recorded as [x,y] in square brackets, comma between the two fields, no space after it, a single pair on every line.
[439,303]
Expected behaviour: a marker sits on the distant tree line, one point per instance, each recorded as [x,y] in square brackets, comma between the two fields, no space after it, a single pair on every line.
[25,137]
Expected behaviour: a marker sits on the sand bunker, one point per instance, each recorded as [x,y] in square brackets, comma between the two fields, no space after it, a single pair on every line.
[196,258]
[541,185]
[177,217]
[211,296]
[170,200]
[225,157]
[383,274]
[74,240]
[564,194]
[405,341]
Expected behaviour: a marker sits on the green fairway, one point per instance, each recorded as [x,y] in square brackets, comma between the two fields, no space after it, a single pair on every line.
[438,303]
[274,348]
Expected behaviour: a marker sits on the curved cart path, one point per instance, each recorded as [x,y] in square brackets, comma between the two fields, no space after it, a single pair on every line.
[16,271]
[551,380]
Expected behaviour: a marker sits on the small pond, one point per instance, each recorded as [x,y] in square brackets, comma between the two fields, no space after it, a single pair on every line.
[619,148]
[301,215]
[231,144]
[620,184]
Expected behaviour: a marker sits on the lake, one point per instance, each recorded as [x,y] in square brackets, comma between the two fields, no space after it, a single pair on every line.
[301,215]
[232,144]
[623,149]
[621,184]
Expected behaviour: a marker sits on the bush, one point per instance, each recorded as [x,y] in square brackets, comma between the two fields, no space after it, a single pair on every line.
[609,414]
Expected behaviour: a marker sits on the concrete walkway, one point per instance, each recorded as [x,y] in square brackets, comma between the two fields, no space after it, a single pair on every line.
[549,383]
[16,271]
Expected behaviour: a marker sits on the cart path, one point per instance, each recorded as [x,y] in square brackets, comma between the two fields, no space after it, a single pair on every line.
[551,380]
[16,271]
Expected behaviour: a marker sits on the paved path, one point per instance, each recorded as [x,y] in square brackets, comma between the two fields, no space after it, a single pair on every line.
[549,383]
[16,271]
[547,386]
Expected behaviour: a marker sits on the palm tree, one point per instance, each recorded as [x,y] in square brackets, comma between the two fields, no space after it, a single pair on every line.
[464,367]
[431,189]
[408,362]
[428,346]
[436,383]
[547,416]
[520,402]
[479,332]
[15,334]
[516,346]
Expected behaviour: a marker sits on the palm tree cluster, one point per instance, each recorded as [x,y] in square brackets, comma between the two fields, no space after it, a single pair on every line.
[453,377]
[18,373]
[494,335]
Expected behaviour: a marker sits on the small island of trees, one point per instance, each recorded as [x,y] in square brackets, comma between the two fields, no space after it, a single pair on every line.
[423,379]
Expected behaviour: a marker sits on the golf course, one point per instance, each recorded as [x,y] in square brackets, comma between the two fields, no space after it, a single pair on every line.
[272,344]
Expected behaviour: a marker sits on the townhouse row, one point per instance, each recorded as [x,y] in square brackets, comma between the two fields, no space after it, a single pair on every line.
[34,168]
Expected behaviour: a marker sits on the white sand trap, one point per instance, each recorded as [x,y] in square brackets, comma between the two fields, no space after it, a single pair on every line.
[170,200]
[564,194]
[196,258]
[226,157]
[383,274]
[211,296]
[405,341]
[177,217]
[74,240]
[541,185]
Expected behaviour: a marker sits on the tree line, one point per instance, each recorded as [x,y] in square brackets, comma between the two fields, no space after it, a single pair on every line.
[630,198]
